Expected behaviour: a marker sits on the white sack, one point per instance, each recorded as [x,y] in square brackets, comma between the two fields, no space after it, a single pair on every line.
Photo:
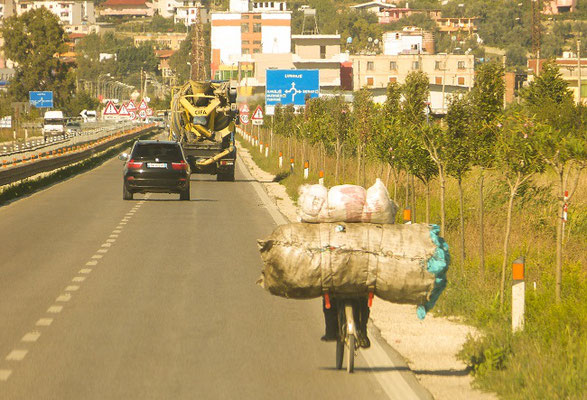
[345,203]
[379,209]
[311,201]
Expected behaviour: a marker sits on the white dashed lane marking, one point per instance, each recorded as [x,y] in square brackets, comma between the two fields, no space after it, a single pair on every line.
[55,309]
[31,337]
[16,355]
[5,374]
[34,335]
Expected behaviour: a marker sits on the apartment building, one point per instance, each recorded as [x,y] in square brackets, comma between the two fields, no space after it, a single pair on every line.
[69,12]
[189,12]
[235,34]
[410,40]
[167,8]
[559,6]
[6,9]
[447,73]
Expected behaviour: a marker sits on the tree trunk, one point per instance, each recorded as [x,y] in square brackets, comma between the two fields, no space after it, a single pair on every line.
[481,225]
[358,164]
[442,187]
[506,241]
[387,176]
[413,196]
[428,202]
[462,220]
[337,163]
[559,237]
[407,193]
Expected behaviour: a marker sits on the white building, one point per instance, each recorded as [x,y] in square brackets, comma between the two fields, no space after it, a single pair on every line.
[168,8]
[237,34]
[6,9]
[395,43]
[189,12]
[69,12]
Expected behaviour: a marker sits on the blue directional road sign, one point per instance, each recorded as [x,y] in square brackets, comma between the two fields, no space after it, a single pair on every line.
[41,99]
[291,86]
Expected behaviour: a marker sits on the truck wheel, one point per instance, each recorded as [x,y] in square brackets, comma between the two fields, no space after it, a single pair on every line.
[185,194]
[126,194]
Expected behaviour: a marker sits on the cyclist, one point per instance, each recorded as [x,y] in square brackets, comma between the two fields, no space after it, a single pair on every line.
[361,311]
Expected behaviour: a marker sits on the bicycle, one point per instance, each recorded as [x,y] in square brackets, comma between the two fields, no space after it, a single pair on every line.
[347,334]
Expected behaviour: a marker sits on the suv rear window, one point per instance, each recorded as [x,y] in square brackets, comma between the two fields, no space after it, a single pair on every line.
[162,151]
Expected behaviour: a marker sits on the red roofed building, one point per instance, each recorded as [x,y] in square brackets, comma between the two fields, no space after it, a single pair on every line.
[163,56]
[121,8]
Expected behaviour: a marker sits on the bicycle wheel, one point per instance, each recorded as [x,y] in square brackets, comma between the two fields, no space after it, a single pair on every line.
[350,366]
[339,352]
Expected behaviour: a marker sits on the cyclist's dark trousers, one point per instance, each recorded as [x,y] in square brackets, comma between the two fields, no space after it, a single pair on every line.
[361,308]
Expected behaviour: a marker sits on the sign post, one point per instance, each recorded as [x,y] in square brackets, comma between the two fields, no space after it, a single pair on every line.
[244,114]
[257,117]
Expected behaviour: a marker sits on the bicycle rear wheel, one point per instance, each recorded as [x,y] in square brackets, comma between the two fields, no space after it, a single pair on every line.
[350,366]
[339,352]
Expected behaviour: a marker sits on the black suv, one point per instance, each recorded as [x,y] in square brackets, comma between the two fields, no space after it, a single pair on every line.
[156,166]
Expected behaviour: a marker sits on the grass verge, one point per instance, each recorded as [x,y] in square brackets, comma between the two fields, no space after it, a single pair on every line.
[548,359]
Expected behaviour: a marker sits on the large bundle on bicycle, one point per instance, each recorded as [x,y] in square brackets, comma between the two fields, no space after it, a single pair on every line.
[398,263]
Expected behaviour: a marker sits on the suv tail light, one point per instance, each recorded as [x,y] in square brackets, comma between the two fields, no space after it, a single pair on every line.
[132,164]
[179,166]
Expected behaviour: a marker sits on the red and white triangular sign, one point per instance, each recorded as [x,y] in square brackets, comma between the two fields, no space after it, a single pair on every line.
[244,109]
[131,106]
[143,105]
[258,114]
[110,109]
[123,111]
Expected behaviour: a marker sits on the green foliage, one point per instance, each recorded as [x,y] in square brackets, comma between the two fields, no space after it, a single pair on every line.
[548,87]
[80,101]
[415,91]
[179,60]
[31,40]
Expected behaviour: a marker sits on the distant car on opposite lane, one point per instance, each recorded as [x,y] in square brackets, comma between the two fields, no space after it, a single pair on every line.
[73,127]
[156,166]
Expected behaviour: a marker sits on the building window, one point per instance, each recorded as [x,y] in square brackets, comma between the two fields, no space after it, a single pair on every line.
[245,42]
[415,65]
[393,79]
[392,66]
[461,65]
[256,50]
[438,65]
[438,80]
[246,51]
[257,28]
[369,81]
[370,66]
[461,80]
[256,42]
[244,28]
[245,16]
[322,52]
[257,16]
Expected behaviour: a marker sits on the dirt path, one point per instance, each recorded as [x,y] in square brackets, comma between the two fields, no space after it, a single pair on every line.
[429,346]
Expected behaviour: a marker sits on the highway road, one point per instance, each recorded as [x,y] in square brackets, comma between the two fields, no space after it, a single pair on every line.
[155,298]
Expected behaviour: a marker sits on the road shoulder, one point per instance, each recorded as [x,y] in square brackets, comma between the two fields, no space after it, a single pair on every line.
[429,347]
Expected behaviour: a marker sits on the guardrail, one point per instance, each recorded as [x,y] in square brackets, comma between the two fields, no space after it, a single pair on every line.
[47,161]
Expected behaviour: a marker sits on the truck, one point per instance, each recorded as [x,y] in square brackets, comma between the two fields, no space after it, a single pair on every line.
[53,124]
[203,119]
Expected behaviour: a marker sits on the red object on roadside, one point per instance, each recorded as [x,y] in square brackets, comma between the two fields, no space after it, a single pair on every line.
[327,301]
[370,302]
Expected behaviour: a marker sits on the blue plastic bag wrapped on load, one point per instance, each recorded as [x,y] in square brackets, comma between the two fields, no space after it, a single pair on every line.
[399,263]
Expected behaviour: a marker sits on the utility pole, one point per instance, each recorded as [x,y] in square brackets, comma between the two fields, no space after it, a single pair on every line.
[579,67]
[198,61]
[536,32]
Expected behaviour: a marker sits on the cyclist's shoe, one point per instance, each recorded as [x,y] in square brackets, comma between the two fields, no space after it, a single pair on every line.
[363,340]
[329,337]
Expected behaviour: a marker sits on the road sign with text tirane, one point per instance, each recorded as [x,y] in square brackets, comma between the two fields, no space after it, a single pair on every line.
[257,117]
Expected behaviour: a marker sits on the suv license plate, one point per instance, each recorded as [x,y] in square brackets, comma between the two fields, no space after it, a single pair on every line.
[156,165]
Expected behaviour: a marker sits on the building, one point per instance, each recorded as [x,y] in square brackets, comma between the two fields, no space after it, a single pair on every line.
[167,41]
[189,12]
[447,73]
[389,15]
[69,12]
[559,6]
[321,52]
[126,8]
[408,41]
[375,7]
[163,56]
[167,8]
[569,69]
[235,34]
[455,25]
[6,9]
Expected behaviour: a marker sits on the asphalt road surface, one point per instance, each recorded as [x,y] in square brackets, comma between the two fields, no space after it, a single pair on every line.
[155,298]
